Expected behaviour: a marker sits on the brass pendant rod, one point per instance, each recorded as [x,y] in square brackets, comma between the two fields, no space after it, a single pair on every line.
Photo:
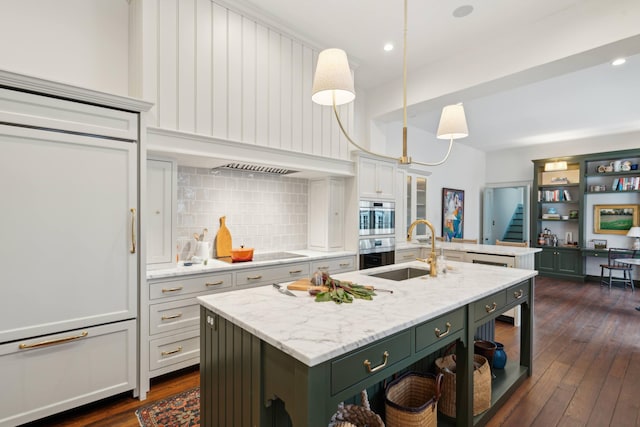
[405,158]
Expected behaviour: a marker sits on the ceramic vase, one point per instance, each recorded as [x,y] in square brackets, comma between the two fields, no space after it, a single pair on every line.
[499,357]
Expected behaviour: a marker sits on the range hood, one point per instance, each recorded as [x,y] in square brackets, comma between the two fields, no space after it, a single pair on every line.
[245,167]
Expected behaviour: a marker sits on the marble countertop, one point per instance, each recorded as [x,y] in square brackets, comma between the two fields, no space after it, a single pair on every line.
[217,266]
[314,332]
[472,247]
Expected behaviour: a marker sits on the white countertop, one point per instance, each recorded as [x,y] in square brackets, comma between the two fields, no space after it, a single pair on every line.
[314,332]
[215,265]
[472,247]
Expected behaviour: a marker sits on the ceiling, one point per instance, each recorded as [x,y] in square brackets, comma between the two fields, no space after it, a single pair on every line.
[533,109]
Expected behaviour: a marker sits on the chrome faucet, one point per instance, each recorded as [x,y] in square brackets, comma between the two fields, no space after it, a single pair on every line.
[433,269]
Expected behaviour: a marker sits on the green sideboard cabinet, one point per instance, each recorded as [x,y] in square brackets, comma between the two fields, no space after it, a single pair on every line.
[560,262]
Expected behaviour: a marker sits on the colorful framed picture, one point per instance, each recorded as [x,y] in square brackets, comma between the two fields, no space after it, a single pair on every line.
[614,219]
[452,213]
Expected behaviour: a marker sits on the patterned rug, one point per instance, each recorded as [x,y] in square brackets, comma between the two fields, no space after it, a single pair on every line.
[180,410]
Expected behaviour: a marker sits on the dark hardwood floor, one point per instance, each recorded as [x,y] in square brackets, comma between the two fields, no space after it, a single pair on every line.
[586,368]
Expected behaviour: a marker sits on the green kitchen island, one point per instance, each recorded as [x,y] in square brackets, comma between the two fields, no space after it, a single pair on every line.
[261,348]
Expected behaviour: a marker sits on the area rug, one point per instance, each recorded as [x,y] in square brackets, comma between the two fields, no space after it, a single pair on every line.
[180,410]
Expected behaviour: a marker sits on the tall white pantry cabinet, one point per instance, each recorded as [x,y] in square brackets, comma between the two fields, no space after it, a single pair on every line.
[70,232]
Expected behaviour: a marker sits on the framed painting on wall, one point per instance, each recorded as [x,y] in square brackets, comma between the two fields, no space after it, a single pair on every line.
[614,219]
[452,213]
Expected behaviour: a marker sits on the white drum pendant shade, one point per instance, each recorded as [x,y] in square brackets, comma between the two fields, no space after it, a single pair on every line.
[333,79]
[453,123]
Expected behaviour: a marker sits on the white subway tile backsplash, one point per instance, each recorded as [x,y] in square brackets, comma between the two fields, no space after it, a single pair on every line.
[266,212]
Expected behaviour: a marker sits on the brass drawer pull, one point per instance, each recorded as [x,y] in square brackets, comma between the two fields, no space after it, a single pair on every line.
[325,267]
[295,271]
[408,256]
[344,264]
[53,342]
[167,353]
[518,294]
[254,277]
[165,290]
[443,334]
[377,368]
[172,316]
[214,283]
[492,308]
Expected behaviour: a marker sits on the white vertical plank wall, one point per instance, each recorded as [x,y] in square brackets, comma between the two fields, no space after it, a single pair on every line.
[223,74]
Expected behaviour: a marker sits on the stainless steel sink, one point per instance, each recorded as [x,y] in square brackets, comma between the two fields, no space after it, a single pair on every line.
[401,274]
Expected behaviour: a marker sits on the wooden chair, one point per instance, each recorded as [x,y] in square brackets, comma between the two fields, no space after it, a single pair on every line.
[459,240]
[518,244]
[614,265]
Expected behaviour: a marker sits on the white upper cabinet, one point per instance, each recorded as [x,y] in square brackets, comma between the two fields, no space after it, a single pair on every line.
[160,211]
[326,214]
[376,179]
[214,71]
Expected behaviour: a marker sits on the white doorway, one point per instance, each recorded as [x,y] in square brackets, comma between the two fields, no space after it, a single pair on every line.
[506,208]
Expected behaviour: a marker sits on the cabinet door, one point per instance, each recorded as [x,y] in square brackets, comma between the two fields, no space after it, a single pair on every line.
[159,214]
[385,179]
[335,218]
[70,211]
[367,179]
[326,214]
[568,262]
[545,261]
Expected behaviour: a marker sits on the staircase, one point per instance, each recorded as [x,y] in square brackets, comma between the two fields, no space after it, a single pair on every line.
[514,232]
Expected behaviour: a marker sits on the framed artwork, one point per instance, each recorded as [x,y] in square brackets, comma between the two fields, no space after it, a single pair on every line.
[452,213]
[614,219]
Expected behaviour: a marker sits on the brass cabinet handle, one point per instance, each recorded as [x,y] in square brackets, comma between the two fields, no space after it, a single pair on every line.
[295,271]
[325,267]
[518,294]
[133,231]
[167,353]
[408,256]
[344,264]
[492,308]
[443,334]
[165,290]
[377,368]
[53,342]
[214,283]
[254,277]
[172,316]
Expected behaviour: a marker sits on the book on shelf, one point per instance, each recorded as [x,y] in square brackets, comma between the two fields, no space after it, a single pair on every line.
[550,216]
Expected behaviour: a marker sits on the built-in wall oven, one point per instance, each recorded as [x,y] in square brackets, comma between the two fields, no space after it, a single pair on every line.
[377,218]
[377,251]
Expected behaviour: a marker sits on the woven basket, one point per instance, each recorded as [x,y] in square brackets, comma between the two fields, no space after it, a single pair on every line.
[412,399]
[481,385]
[356,416]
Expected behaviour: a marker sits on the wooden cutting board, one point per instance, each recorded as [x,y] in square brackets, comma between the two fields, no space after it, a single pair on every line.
[305,285]
[223,240]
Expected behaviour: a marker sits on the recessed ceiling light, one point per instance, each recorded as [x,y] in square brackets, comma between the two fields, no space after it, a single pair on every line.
[463,11]
[618,61]
[388,47]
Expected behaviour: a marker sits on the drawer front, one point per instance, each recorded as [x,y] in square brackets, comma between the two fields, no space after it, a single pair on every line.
[437,329]
[518,292]
[174,349]
[261,276]
[380,356]
[407,255]
[455,256]
[205,283]
[91,364]
[336,265]
[173,315]
[490,305]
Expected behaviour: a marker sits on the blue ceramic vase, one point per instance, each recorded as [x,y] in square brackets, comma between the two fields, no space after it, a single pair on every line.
[499,357]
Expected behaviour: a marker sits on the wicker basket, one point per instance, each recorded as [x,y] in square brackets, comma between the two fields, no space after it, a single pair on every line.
[481,385]
[356,416]
[412,399]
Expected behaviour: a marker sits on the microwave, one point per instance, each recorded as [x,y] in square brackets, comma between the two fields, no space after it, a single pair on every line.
[377,218]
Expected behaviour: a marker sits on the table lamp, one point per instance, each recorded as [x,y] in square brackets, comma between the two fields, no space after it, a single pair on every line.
[635,232]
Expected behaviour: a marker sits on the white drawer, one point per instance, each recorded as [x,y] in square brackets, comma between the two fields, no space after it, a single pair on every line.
[261,276]
[455,256]
[45,380]
[407,255]
[335,265]
[175,349]
[175,287]
[173,315]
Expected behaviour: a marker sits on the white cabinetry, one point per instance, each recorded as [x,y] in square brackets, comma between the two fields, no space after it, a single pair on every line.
[416,207]
[160,212]
[376,179]
[406,255]
[69,174]
[326,214]
[335,265]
